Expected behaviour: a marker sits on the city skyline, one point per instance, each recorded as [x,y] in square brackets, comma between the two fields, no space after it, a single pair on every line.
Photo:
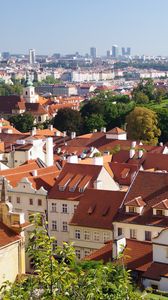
[67,27]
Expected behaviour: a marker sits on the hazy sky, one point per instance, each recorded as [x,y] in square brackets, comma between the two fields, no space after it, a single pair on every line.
[67,26]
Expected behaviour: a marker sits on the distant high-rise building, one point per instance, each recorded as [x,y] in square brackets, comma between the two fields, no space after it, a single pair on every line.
[115,51]
[126,51]
[93,52]
[108,54]
[32,56]
[5,55]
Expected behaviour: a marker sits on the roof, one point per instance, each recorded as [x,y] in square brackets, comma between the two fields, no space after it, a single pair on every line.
[137,254]
[156,271]
[124,173]
[81,175]
[45,178]
[8,103]
[136,202]
[116,130]
[97,208]
[152,187]
[35,109]
[7,235]
[161,205]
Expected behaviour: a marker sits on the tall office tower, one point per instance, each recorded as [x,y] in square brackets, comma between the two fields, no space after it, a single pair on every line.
[126,51]
[108,53]
[32,56]
[115,51]
[93,52]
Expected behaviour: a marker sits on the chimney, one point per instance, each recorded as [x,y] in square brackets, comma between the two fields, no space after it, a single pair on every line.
[98,160]
[73,159]
[133,144]
[140,153]
[34,131]
[50,127]
[161,144]
[49,152]
[103,129]
[57,133]
[131,153]
[98,185]
[64,133]
[34,173]
[73,135]
[118,246]
[94,130]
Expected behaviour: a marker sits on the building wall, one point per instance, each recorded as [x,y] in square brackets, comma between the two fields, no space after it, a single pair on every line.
[92,243]
[140,230]
[9,262]
[60,217]
[108,182]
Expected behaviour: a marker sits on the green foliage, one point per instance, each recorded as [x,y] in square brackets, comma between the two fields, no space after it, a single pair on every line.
[95,121]
[142,125]
[140,98]
[145,86]
[68,119]
[9,89]
[58,276]
[22,122]
[162,115]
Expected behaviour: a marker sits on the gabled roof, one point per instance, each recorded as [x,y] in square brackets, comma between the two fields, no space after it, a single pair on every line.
[162,205]
[116,130]
[136,202]
[97,208]
[123,172]
[85,174]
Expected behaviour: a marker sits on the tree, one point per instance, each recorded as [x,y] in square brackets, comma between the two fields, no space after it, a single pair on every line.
[22,122]
[162,114]
[95,121]
[142,125]
[68,120]
[59,276]
[145,86]
[159,94]
[140,98]
[94,106]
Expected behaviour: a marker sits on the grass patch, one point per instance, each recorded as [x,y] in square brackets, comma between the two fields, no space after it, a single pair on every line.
[150,296]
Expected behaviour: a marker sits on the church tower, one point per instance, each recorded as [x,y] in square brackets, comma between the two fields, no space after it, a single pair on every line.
[29,91]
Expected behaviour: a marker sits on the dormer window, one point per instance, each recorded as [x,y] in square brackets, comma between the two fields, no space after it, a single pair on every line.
[161,208]
[132,209]
[64,182]
[135,205]
[159,212]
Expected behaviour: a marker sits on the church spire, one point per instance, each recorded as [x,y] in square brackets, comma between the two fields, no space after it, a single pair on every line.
[4,196]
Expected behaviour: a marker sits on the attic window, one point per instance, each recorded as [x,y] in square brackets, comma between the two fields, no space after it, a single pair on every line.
[64,182]
[159,212]
[132,209]
[105,211]
[91,209]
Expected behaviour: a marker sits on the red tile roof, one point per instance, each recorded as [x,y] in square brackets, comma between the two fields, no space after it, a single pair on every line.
[116,130]
[156,271]
[137,255]
[97,208]
[153,188]
[7,235]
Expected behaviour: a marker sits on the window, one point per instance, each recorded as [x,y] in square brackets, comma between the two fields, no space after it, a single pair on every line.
[75,207]
[148,236]
[54,225]
[154,286]
[54,207]
[96,236]
[132,234]
[120,231]
[54,245]
[18,200]
[86,235]
[64,226]
[86,252]
[64,208]
[132,209]
[39,118]
[39,202]
[78,253]
[9,198]
[77,234]
[31,201]
[106,236]
[159,212]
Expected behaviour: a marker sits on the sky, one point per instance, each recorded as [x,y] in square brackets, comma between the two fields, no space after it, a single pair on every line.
[67,26]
